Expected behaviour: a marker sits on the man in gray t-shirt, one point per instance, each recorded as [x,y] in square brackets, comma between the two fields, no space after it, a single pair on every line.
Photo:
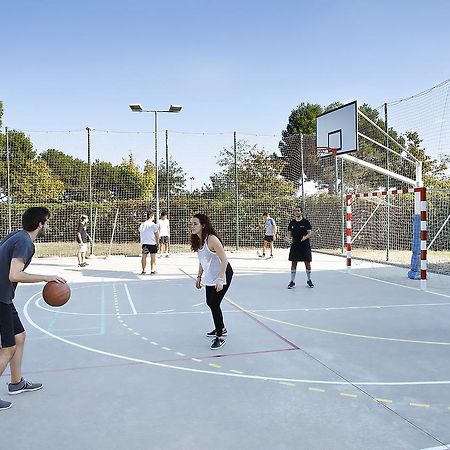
[16,252]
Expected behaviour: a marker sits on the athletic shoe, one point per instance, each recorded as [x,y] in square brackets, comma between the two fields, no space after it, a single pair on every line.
[213,333]
[143,272]
[160,256]
[310,283]
[291,285]
[23,386]
[217,343]
[167,255]
[270,257]
[5,405]
[152,273]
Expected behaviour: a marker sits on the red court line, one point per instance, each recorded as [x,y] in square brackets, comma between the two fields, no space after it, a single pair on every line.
[254,318]
[136,363]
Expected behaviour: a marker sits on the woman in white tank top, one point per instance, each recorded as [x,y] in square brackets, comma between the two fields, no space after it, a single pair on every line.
[215,270]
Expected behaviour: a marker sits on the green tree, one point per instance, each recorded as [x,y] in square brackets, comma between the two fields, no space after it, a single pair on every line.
[258,174]
[73,172]
[36,183]
[175,178]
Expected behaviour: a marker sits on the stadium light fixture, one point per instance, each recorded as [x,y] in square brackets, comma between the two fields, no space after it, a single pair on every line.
[136,107]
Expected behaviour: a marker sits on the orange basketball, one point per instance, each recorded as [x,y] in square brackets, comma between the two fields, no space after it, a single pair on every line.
[56,294]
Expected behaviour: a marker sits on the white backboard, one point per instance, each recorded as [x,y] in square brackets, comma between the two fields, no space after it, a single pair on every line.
[338,129]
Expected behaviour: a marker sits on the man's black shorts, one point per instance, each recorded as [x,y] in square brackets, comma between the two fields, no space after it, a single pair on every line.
[149,248]
[268,238]
[10,325]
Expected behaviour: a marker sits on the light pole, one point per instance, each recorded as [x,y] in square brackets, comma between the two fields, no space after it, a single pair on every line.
[135,107]
[88,129]
[192,179]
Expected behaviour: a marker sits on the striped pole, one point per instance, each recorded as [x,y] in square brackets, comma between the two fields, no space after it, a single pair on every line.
[423,237]
[349,231]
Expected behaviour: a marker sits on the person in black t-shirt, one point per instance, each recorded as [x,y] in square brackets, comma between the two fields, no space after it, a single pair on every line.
[82,238]
[299,229]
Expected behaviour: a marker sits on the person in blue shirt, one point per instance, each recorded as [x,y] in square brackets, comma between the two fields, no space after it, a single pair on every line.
[270,234]
[16,252]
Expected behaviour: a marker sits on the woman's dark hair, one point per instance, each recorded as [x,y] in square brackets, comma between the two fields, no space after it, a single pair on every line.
[207,230]
[32,217]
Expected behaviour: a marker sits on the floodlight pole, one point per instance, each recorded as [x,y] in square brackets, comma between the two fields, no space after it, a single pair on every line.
[90,175]
[135,107]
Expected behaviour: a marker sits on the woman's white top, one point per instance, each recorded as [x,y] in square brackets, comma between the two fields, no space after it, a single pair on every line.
[210,263]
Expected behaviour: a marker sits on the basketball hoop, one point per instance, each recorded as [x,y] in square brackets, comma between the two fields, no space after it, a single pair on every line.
[322,152]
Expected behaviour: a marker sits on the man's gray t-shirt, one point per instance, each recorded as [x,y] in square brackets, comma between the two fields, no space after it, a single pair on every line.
[17,244]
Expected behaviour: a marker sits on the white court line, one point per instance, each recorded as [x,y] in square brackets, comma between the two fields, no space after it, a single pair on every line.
[224,374]
[398,284]
[198,304]
[129,299]
[441,447]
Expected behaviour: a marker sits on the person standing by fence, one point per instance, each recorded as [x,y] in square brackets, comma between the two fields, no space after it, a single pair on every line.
[164,234]
[82,239]
[149,237]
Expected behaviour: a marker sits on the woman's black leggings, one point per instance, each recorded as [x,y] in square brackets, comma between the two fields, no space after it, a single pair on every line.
[214,298]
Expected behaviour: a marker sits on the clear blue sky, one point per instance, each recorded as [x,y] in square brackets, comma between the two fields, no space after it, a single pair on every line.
[234,65]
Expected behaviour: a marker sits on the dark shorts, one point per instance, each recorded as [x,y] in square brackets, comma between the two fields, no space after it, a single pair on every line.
[268,238]
[149,248]
[10,325]
[164,239]
[300,251]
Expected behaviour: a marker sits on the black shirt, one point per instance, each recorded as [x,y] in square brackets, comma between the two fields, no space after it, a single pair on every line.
[83,233]
[298,229]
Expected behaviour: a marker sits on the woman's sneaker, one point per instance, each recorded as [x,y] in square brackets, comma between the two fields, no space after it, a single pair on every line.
[214,334]
[217,343]
[5,405]
[23,386]
[291,285]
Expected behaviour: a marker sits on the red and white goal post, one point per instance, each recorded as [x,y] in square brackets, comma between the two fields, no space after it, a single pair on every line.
[420,208]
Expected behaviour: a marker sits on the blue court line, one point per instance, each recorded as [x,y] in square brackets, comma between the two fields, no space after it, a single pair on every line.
[102,309]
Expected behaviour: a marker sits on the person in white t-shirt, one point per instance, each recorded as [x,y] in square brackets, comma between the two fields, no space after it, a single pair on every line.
[164,234]
[149,237]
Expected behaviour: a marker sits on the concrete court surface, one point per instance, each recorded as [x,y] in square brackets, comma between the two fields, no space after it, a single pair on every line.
[355,363]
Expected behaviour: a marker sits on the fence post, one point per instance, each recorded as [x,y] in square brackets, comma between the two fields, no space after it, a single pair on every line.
[388,188]
[303,172]
[8,181]
[236,189]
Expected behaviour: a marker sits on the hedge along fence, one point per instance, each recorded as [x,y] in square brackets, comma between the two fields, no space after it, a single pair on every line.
[241,226]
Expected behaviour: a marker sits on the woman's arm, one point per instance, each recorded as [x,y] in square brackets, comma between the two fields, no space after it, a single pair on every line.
[216,246]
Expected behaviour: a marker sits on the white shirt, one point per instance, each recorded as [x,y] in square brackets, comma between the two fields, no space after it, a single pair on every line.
[147,232]
[164,229]
[210,263]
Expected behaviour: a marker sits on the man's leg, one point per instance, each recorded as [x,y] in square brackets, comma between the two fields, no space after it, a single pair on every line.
[144,262]
[16,361]
[6,354]
[271,248]
[308,273]
[79,257]
[293,274]
[152,262]
[264,247]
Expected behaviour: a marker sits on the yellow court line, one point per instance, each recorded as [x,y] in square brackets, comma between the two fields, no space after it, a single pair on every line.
[420,405]
[316,389]
[166,348]
[286,383]
[196,359]
[216,366]
[343,394]
[382,400]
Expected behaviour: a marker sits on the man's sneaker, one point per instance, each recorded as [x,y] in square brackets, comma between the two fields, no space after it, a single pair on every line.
[310,283]
[291,285]
[214,334]
[143,272]
[5,405]
[23,386]
[217,343]
[153,273]
[263,255]
[167,255]
[270,257]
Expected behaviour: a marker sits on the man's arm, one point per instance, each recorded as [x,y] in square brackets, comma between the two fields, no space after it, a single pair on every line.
[17,275]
